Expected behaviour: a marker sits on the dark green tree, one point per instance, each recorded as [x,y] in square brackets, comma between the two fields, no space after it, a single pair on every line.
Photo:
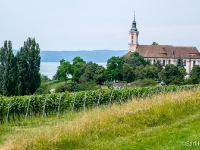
[8,70]
[3,55]
[154,43]
[93,72]
[10,80]
[28,63]
[180,62]
[148,71]
[99,76]
[77,68]
[171,75]
[127,73]
[44,78]
[135,59]
[158,65]
[195,74]
[64,70]
[113,70]
[88,72]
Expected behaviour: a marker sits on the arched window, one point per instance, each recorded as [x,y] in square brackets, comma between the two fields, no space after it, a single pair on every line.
[163,62]
[194,63]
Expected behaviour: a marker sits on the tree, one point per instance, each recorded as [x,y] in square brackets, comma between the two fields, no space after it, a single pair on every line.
[93,72]
[158,65]
[180,62]
[154,43]
[88,72]
[77,68]
[28,63]
[113,70]
[8,68]
[171,74]
[10,72]
[44,78]
[195,74]
[135,59]
[149,71]
[127,73]
[3,54]
[99,76]
[64,70]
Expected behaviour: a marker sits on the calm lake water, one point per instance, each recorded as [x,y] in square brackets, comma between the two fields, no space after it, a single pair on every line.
[49,68]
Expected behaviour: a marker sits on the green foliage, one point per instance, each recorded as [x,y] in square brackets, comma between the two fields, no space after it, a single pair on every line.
[161,122]
[44,78]
[135,60]
[148,71]
[93,72]
[41,91]
[113,70]
[28,64]
[77,68]
[77,87]
[64,70]
[154,43]
[195,74]
[171,74]
[148,82]
[127,73]
[99,76]
[8,70]
[143,83]
[37,103]
[158,65]
[180,62]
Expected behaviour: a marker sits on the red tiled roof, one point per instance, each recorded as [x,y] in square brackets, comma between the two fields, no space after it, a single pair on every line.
[166,51]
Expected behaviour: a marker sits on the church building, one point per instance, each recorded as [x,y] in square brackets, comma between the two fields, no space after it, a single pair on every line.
[166,54]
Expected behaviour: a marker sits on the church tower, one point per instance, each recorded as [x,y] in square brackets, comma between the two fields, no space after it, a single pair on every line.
[133,37]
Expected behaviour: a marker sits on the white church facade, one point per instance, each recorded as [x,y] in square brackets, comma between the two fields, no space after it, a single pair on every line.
[166,54]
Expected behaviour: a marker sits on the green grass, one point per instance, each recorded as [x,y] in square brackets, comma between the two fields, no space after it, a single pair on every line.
[51,84]
[165,122]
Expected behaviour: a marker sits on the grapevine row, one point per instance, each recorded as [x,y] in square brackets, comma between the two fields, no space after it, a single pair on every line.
[23,107]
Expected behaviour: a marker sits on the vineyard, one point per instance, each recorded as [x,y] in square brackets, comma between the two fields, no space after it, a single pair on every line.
[24,107]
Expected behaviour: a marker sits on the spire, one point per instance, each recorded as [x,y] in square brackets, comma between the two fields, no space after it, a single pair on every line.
[134,28]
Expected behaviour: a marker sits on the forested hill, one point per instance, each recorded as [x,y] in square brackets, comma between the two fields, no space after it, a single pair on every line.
[94,55]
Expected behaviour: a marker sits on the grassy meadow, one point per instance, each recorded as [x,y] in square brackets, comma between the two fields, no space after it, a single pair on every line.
[165,122]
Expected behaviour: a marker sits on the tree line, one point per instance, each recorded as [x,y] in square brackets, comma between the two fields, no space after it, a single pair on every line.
[19,74]
[128,69]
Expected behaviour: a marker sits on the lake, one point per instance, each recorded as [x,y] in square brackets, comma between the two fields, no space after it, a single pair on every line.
[49,68]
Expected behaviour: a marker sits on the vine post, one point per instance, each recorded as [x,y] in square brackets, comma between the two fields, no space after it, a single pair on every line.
[29,100]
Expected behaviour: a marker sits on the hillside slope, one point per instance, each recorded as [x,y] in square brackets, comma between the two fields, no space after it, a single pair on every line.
[168,121]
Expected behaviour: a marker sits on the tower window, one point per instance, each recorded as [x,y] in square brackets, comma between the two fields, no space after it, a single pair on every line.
[132,37]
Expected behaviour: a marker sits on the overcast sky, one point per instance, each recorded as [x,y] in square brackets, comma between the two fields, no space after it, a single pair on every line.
[99,24]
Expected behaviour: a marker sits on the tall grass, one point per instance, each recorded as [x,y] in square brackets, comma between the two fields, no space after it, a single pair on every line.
[160,122]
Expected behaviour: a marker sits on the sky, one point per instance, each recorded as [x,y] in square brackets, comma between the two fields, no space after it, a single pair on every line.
[99,24]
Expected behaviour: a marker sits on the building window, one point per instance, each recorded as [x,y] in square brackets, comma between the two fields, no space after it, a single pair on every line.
[194,63]
[163,62]
[184,63]
[132,37]
[154,61]
[169,61]
[132,41]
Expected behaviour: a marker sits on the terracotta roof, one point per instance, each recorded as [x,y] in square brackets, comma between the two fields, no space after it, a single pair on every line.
[166,51]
